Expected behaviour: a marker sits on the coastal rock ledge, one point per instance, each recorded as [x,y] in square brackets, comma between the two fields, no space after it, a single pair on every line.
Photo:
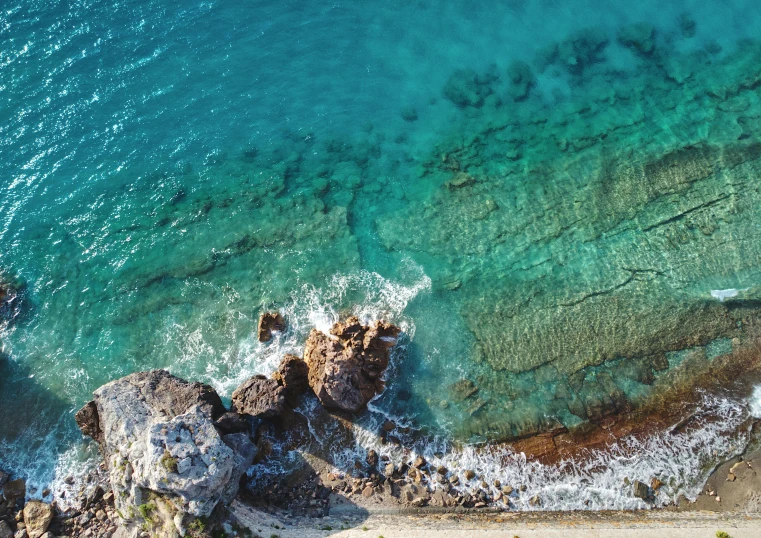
[167,461]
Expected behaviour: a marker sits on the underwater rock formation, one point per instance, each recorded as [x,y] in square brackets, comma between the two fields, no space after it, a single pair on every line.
[12,299]
[589,268]
[521,80]
[167,463]
[346,368]
[465,88]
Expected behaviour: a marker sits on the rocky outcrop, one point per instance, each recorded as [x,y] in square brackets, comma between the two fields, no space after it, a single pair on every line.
[167,462]
[37,518]
[346,368]
[260,397]
[264,397]
[293,374]
[268,322]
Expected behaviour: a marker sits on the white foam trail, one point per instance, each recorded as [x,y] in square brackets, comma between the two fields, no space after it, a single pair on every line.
[682,461]
[723,295]
[755,402]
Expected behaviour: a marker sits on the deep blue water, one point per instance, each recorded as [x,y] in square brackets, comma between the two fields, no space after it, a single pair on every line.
[169,169]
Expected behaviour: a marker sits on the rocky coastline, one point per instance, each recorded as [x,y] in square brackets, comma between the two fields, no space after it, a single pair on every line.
[175,456]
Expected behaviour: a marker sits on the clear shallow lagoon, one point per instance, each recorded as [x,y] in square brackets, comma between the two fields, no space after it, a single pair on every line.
[550,197]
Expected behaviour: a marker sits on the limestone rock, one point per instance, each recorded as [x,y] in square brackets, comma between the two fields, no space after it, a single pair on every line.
[268,322]
[166,460]
[37,517]
[346,368]
[259,397]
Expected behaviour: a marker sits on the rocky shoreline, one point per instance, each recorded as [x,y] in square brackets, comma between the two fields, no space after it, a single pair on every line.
[175,456]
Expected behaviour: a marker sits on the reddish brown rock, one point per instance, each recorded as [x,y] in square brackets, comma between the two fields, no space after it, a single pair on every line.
[293,374]
[345,369]
[268,322]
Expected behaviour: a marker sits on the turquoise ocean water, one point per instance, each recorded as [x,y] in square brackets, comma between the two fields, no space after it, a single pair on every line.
[487,175]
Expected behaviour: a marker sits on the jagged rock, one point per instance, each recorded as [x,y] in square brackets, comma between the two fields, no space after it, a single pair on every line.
[232,422]
[37,518]
[166,460]
[87,420]
[268,322]
[293,374]
[5,530]
[345,369]
[259,397]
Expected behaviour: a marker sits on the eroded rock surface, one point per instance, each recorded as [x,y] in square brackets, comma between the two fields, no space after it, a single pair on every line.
[268,322]
[260,397]
[167,462]
[346,368]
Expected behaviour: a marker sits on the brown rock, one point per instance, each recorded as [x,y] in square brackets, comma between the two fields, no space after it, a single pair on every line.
[367,492]
[655,484]
[37,517]
[14,489]
[389,426]
[259,397]
[268,322]
[293,374]
[372,458]
[345,371]
[87,420]
[469,475]
[419,462]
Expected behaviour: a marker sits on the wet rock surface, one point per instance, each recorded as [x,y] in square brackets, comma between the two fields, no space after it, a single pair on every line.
[269,322]
[261,397]
[346,368]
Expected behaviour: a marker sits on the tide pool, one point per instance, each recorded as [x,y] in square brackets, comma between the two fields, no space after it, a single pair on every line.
[545,196]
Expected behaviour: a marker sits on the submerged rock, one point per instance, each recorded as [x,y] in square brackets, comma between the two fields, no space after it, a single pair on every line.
[640,37]
[346,368]
[166,461]
[521,80]
[268,322]
[464,88]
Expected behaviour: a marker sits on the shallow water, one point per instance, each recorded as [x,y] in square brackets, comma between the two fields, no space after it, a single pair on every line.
[556,236]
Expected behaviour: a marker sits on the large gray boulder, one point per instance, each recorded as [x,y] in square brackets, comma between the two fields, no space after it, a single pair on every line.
[166,460]
[346,367]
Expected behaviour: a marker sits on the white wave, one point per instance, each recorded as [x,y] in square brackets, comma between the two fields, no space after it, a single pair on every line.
[723,295]
[602,481]
[755,402]
[365,294]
